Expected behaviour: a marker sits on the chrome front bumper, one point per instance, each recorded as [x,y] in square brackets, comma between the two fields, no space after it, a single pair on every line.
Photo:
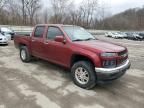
[3,41]
[109,74]
[121,68]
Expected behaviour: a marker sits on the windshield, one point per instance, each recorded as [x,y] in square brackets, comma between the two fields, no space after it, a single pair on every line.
[78,33]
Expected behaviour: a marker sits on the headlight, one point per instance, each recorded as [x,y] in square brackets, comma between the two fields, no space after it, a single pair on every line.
[108,54]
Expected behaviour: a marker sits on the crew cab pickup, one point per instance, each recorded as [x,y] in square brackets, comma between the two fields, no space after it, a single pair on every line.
[89,59]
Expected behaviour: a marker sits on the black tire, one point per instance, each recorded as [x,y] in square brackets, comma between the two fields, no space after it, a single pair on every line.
[90,70]
[27,58]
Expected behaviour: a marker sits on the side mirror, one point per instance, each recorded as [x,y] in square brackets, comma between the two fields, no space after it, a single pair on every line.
[59,39]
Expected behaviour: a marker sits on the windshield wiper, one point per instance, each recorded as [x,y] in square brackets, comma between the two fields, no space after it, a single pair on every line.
[78,40]
[84,39]
[89,39]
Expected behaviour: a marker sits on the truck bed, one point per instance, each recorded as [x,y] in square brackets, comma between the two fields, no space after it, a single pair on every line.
[23,33]
[18,39]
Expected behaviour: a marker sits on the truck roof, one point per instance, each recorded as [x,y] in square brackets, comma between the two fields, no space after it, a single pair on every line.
[59,25]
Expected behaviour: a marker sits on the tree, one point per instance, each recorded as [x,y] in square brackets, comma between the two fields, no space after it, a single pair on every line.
[14,13]
[45,16]
[59,8]
[32,7]
[2,5]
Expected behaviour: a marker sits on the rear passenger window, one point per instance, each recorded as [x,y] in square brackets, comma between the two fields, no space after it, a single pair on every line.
[53,32]
[39,31]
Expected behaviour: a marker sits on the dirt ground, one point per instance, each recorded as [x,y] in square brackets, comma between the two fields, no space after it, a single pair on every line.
[40,84]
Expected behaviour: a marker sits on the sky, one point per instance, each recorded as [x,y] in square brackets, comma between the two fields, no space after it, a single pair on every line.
[115,6]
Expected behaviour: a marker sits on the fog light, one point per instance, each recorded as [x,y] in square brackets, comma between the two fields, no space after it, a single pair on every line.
[109,63]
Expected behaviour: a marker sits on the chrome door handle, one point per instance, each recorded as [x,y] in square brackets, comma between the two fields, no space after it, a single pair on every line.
[46,43]
[33,40]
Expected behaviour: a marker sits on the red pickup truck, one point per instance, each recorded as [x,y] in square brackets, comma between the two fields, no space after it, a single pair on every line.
[90,60]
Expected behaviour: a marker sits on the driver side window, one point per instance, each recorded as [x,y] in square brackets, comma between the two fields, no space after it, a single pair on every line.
[39,31]
[53,32]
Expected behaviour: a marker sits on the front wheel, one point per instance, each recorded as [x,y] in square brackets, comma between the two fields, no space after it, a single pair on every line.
[24,54]
[83,74]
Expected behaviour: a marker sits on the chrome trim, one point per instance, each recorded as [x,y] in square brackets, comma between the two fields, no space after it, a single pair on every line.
[123,67]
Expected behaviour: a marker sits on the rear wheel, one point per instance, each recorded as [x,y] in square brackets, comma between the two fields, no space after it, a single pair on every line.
[24,54]
[83,74]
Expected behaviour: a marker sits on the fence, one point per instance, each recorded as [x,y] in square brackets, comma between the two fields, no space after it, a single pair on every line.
[30,28]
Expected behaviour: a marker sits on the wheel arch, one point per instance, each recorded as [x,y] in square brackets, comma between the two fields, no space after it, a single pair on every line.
[26,45]
[21,44]
[78,57]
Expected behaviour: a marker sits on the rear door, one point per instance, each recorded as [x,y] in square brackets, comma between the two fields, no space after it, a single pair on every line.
[37,41]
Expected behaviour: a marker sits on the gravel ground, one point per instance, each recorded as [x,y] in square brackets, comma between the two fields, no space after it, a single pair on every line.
[40,84]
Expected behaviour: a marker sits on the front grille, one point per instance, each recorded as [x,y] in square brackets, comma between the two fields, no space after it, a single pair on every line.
[118,61]
[121,61]
[123,57]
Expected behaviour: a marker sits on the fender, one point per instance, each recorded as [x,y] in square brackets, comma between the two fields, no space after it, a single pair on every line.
[93,57]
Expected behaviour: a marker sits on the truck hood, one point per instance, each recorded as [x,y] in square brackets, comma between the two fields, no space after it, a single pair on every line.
[100,46]
[2,36]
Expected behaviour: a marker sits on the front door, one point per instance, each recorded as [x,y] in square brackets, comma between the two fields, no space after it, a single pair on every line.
[56,51]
